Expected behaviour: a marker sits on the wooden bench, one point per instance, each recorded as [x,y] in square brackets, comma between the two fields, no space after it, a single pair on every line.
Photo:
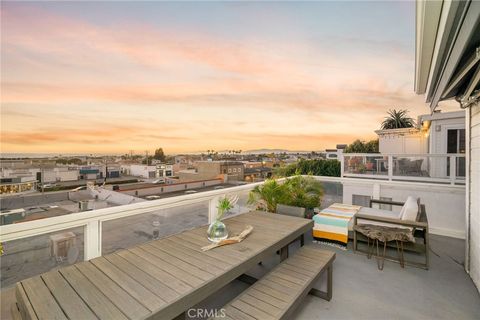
[278,294]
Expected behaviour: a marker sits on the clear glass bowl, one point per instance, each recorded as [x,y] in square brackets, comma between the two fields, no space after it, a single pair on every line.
[217,231]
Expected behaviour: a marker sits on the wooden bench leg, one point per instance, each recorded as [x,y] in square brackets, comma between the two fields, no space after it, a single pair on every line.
[302,240]
[325,295]
[284,253]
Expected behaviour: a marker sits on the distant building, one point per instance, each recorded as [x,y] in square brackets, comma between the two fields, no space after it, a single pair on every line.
[335,153]
[257,174]
[227,170]
[17,185]
[164,170]
[139,170]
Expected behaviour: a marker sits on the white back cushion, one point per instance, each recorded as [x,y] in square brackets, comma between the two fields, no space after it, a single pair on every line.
[410,209]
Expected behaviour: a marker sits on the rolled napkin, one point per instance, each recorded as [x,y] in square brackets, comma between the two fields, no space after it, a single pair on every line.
[235,239]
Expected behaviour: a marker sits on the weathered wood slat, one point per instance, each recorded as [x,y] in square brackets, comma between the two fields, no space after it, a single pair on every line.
[24,306]
[165,277]
[123,300]
[199,242]
[196,259]
[251,310]
[154,285]
[127,283]
[187,266]
[94,298]
[277,294]
[41,299]
[260,304]
[172,269]
[223,264]
[228,260]
[283,282]
[237,314]
[293,274]
[299,270]
[71,304]
[268,298]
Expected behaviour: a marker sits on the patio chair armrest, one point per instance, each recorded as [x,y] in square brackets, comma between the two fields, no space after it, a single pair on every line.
[393,203]
[406,223]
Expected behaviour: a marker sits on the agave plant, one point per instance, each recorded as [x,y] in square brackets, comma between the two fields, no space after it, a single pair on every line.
[397,119]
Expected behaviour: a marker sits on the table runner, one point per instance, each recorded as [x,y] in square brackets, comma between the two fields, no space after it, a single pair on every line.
[331,224]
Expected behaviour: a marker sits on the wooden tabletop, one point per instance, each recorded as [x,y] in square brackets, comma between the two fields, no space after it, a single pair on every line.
[159,279]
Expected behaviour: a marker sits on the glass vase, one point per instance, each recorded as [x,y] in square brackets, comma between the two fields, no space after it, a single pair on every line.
[217,231]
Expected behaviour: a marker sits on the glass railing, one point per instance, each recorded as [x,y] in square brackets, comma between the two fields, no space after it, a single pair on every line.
[34,247]
[435,168]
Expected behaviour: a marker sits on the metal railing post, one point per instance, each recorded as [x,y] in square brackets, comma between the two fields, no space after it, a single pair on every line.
[92,240]
[342,164]
[453,169]
[390,168]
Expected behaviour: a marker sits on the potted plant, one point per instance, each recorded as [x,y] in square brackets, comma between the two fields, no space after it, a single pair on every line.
[304,192]
[265,197]
[298,191]
[217,231]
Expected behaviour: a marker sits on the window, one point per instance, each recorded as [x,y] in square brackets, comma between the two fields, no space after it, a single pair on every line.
[456,144]
[229,170]
[235,170]
[360,200]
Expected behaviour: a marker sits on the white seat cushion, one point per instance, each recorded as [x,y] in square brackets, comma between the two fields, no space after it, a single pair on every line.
[410,209]
[378,213]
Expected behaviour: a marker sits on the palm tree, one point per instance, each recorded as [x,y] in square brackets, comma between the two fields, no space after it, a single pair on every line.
[397,119]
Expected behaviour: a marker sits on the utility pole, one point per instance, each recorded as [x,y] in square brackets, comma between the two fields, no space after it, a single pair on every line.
[131,154]
[146,156]
[106,171]
[42,171]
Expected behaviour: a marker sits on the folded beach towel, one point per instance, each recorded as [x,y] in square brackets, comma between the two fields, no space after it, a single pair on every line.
[331,224]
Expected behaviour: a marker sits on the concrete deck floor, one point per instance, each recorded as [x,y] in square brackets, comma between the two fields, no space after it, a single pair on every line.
[361,291]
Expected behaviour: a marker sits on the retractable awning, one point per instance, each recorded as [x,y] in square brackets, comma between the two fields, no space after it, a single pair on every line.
[448,51]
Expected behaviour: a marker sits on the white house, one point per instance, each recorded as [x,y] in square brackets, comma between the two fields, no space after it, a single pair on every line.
[448,67]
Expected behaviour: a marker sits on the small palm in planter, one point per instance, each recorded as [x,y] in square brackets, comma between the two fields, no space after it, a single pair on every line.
[217,231]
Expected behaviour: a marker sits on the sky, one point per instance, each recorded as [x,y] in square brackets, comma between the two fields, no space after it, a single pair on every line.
[110,77]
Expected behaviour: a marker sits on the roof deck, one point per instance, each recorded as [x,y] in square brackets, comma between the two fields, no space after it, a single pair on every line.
[446,289]
[361,291]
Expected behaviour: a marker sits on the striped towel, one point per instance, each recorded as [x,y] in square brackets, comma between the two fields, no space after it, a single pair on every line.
[331,223]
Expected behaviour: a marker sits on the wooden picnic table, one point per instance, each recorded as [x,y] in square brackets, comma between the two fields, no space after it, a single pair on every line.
[159,279]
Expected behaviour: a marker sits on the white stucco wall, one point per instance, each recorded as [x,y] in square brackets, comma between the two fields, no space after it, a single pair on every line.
[445,204]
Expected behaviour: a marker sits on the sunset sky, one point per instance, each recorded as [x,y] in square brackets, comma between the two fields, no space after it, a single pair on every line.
[93,77]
